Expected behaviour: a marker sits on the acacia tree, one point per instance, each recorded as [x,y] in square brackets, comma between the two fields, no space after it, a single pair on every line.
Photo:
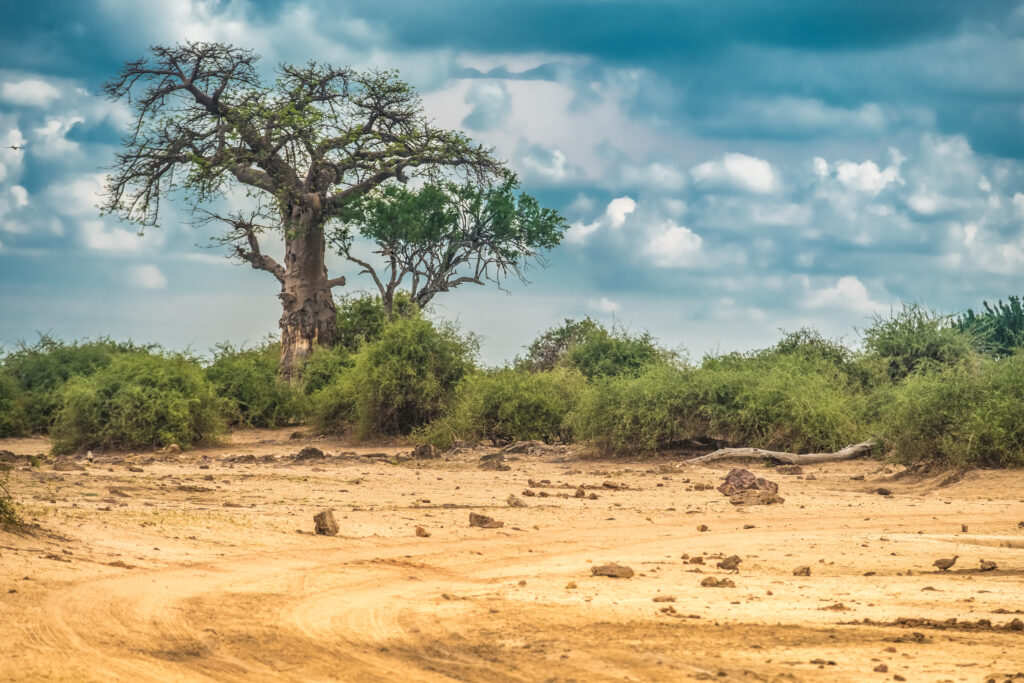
[304,146]
[447,234]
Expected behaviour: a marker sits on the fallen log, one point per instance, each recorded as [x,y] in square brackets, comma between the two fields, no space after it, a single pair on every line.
[848,453]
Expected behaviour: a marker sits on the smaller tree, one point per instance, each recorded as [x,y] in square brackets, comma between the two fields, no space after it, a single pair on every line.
[446,234]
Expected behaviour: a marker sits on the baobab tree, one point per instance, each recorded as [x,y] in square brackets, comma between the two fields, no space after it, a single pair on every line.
[304,147]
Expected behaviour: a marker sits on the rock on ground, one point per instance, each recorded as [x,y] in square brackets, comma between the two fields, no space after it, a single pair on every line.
[484,522]
[615,571]
[755,497]
[325,523]
[744,480]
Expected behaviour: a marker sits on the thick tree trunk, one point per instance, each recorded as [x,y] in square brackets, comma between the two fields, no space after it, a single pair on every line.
[848,453]
[308,317]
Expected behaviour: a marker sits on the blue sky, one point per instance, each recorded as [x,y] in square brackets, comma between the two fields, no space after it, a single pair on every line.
[729,169]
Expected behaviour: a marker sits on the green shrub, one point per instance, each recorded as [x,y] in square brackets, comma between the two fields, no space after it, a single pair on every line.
[12,415]
[915,336]
[9,517]
[509,405]
[43,368]
[401,381]
[777,399]
[323,367]
[781,401]
[137,401]
[247,382]
[635,415]
[595,351]
[966,415]
[999,328]
[361,318]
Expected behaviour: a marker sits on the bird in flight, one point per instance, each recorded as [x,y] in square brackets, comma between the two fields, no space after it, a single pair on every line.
[14,147]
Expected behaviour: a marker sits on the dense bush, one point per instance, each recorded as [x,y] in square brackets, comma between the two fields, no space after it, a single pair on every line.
[12,415]
[401,381]
[138,400]
[246,381]
[323,367]
[361,318]
[43,368]
[509,405]
[999,328]
[636,415]
[783,398]
[8,510]
[914,337]
[594,350]
[965,415]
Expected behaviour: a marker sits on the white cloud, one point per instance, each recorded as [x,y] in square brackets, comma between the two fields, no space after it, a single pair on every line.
[579,231]
[655,175]
[20,195]
[147,277]
[673,246]
[50,137]
[549,164]
[30,92]
[866,176]
[848,293]
[604,304]
[618,209]
[820,167]
[738,171]
[98,236]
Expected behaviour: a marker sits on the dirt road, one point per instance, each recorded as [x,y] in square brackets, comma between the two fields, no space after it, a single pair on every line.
[203,565]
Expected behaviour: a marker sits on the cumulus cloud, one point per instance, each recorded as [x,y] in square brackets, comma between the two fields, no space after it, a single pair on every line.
[29,92]
[737,171]
[866,176]
[673,246]
[605,305]
[656,175]
[579,232]
[847,293]
[549,164]
[618,209]
[147,277]
[490,102]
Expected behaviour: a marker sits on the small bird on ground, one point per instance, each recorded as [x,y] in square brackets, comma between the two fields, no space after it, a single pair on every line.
[944,563]
[988,566]
[731,563]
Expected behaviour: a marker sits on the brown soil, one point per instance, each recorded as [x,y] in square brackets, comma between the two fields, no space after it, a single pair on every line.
[204,566]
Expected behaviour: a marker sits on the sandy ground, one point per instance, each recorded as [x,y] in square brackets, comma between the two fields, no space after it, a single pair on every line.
[194,567]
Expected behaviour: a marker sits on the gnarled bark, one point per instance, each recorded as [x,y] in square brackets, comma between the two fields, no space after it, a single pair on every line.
[308,319]
[848,453]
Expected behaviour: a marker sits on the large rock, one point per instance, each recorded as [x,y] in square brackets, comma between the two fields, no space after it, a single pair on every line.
[325,523]
[484,522]
[425,452]
[744,480]
[613,570]
[308,453]
[755,497]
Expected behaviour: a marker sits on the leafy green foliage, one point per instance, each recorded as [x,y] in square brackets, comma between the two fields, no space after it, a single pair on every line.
[9,517]
[966,415]
[446,234]
[12,415]
[247,382]
[138,400]
[509,405]
[323,367]
[42,369]
[999,328]
[401,381]
[595,351]
[798,396]
[914,337]
[362,317]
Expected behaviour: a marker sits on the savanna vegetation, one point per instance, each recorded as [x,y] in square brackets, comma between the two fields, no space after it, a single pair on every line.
[929,387]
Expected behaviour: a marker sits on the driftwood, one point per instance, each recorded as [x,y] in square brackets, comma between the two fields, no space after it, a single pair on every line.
[848,453]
